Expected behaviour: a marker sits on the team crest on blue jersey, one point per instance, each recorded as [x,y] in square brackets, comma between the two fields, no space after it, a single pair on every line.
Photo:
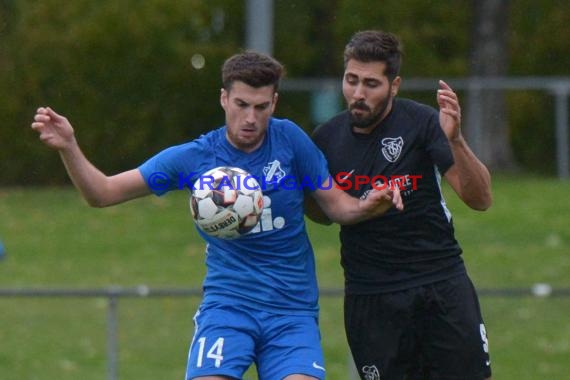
[392,147]
[273,172]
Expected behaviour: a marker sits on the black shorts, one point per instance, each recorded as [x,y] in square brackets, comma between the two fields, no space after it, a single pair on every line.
[432,332]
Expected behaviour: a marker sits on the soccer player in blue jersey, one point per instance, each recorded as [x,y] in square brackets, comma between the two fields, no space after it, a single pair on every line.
[411,311]
[260,300]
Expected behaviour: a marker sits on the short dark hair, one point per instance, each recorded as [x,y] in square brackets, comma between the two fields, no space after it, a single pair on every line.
[374,46]
[253,68]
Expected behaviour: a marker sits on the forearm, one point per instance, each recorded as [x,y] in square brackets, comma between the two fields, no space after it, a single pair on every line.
[89,181]
[473,178]
[346,211]
[98,189]
[342,208]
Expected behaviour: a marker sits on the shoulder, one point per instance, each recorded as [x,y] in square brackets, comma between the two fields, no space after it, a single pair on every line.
[413,108]
[339,121]
[286,129]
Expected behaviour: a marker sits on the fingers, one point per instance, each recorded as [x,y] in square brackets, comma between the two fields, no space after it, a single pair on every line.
[448,101]
[446,90]
[397,199]
[394,196]
[444,85]
[388,196]
[46,114]
[447,98]
[455,113]
[40,119]
[54,115]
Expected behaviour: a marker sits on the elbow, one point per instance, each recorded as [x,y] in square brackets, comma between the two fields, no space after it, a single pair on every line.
[97,202]
[319,219]
[481,207]
[479,198]
[100,197]
[324,222]
[482,203]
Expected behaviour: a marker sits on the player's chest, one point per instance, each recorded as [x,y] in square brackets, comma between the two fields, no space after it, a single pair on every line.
[384,154]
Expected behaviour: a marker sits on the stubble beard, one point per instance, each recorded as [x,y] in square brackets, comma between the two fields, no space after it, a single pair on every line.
[368,122]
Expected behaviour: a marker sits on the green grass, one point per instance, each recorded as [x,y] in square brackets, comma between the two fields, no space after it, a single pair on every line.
[54,240]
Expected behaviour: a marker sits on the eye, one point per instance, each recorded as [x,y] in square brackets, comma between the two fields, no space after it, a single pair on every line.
[351,79]
[372,83]
[262,107]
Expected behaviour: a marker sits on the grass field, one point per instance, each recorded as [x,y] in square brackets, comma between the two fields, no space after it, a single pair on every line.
[53,240]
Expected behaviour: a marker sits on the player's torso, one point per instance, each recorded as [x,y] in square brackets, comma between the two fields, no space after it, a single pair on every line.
[384,253]
[393,154]
[272,265]
[273,166]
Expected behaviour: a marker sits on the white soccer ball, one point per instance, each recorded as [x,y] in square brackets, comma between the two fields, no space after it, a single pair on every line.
[226,202]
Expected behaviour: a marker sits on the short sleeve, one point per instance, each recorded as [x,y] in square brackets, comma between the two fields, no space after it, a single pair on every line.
[437,144]
[175,168]
[309,160]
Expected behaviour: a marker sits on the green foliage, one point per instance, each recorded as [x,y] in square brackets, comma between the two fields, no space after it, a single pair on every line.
[538,43]
[532,131]
[428,31]
[121,70]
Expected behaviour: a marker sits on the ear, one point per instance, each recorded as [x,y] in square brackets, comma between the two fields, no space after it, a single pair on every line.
[223,98]
[275,98]
[396,86]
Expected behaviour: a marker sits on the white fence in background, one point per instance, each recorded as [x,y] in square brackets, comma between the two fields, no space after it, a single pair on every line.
[558,87]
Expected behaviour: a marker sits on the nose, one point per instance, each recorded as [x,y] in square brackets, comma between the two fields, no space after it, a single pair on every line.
[250,116]
[358,92]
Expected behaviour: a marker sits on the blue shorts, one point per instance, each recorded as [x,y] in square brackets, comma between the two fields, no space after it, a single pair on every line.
[228,340]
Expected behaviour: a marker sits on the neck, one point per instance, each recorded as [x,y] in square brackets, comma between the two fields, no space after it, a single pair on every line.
[244,147]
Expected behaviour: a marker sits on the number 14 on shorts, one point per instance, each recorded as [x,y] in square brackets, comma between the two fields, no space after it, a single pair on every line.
[214,353]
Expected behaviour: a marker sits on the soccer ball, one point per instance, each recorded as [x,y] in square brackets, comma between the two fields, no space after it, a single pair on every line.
[226,202]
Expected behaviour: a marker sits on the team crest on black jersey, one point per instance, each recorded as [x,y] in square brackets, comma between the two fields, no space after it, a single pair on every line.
[392,147]
[370,372]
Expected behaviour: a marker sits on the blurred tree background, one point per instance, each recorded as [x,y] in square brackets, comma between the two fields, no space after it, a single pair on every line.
[135,76]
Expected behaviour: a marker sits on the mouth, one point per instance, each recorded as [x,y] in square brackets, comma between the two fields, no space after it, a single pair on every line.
[359,107]
[358,112]
[248,131]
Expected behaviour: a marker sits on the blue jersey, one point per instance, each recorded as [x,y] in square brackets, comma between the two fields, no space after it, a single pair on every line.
[271,268]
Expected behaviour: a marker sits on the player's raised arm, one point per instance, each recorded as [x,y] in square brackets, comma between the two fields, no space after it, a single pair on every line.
[468,176]
[98,189]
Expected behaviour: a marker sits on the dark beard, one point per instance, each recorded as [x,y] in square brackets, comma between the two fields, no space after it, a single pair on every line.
[364,122]
[370,121]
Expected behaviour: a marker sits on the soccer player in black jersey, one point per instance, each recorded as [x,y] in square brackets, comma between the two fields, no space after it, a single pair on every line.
[411,311]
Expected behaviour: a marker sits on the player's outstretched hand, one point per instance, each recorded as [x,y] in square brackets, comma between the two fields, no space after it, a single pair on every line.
[55,130]
[380,201]
[397,200]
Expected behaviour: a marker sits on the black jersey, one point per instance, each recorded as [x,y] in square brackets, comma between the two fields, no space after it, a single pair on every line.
[400,249]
